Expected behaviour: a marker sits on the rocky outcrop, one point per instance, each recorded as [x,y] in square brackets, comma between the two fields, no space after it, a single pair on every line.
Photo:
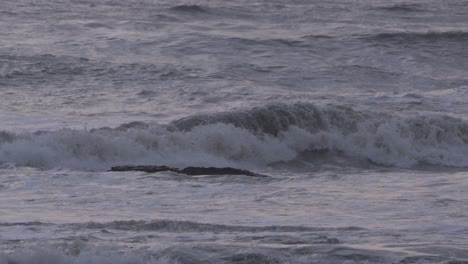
[189,170]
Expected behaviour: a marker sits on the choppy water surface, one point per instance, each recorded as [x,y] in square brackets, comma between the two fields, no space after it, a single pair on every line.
[356,110]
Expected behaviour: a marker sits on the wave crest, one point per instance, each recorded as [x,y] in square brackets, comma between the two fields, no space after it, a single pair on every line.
[272,119]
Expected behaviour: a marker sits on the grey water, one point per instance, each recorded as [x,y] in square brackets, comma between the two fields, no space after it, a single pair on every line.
[356,110]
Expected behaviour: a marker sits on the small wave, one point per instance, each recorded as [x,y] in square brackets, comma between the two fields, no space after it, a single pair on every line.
[421,36]
[97,25]
[189,8]
[8,13]
[53,68]
[402,8]
[38,66]
[218,12]
[249,139]
[271,42]
[36,223]
[315,37]
[189,226]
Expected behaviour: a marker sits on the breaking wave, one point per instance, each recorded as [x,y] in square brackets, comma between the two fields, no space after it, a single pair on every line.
[250,139]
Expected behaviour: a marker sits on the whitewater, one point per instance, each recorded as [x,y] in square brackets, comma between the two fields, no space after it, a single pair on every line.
[355,111]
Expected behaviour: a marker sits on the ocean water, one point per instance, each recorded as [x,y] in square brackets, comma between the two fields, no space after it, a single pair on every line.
[356,110]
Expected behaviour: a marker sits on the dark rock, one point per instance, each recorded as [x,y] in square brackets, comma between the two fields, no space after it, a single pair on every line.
[144,168]
[192,171]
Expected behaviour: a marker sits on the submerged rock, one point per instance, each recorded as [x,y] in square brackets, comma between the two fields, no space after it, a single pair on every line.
[188,170]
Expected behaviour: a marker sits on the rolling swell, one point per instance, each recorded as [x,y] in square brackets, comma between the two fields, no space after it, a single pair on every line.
[250,139]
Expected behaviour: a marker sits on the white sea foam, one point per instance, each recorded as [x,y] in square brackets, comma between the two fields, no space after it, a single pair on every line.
[217,144]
